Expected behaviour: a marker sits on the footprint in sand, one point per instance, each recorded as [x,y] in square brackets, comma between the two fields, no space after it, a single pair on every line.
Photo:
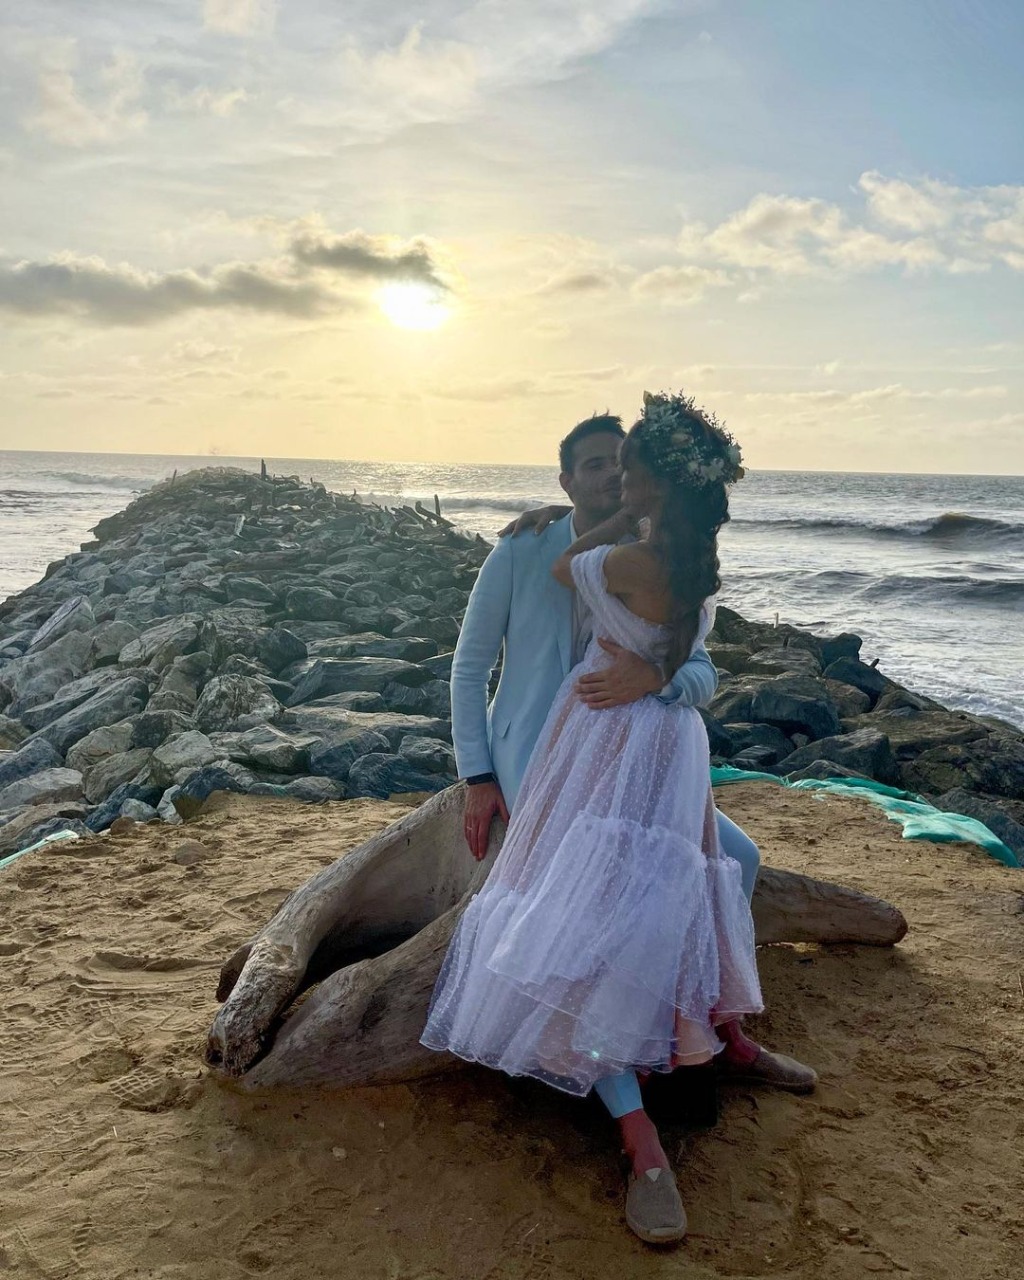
[81,1239]
[118,970]
[107,1063]
[144,1089]
[89,1013]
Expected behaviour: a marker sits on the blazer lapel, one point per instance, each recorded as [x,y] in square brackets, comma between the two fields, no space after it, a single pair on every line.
[561,600]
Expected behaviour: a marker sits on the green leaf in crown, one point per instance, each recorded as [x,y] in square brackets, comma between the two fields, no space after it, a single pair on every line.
[689,445]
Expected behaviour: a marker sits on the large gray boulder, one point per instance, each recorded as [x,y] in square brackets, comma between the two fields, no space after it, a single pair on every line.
[824,770]
[12,733]
[113,770]
[732,658]
[199,786]
[48,786]
[315,790]
[382,775]
[75,614]
[173,761]
[153,728]
[371,645]
[38,676]
[40,820]
[326,721]
[783,661]
[28,759]
[349,675]
[71,695]
[314,604]
[768,737]
[235,702]
[1001,824]
[852,671]
[913,732]
[428,755]
[159,645]
[267,747]
[333,757]
[108,740]
[795,704]
[280,648]
[865,751]
[850,702]
[118,701]
[106,813]
[993,765]
[441,666]
[107,641]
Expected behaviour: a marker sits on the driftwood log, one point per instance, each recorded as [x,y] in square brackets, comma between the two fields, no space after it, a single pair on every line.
[335,988]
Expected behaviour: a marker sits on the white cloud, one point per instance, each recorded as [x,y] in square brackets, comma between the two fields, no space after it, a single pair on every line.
[530,40]
[418,80]
[920,226]
[240,17]
[679,285]
[107,112]
[926,206]
[895,391]
[204,101]
[443,66]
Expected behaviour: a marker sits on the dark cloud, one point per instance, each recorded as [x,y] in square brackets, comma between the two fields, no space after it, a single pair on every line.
[89,288]
[360,254]
[92,289]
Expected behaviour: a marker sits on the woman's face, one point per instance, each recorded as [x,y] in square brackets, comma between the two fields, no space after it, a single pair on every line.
[641,492]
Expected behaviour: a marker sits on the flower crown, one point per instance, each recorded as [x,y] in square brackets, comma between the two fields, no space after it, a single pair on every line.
[685,456]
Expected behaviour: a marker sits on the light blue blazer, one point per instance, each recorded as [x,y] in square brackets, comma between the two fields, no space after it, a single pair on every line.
[517,603]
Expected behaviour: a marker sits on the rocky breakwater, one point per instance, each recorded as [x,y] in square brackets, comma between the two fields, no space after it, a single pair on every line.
[803,706]
[230,631]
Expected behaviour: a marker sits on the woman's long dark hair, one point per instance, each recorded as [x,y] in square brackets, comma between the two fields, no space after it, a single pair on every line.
[686,539]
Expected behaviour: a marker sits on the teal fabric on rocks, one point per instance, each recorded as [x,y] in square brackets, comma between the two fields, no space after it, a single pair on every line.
[920,821]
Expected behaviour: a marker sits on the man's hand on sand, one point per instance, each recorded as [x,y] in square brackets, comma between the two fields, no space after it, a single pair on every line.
[626,680]
[537,520]
[484,802]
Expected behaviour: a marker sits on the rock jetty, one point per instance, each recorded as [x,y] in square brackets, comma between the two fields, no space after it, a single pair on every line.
[231,631]
[242,632]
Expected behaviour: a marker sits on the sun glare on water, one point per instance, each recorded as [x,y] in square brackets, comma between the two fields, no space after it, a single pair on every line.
[413,306]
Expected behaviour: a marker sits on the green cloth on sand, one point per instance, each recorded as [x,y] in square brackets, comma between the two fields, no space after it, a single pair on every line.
[920,821]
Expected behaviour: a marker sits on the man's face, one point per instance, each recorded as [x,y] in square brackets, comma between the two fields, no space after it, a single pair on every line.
[595,482]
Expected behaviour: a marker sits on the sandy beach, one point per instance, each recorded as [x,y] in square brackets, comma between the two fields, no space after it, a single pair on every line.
[122,1157]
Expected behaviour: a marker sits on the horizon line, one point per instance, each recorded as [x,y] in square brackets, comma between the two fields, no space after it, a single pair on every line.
[213,458]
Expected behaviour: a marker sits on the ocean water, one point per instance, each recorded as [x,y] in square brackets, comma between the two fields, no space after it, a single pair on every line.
[929,569]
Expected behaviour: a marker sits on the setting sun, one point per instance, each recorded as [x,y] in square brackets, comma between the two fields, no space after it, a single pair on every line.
[411,305]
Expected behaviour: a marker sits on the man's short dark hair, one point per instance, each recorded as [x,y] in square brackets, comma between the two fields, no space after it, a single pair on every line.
[599,424]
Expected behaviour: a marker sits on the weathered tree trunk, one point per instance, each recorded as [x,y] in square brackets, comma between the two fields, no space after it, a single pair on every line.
[372,930]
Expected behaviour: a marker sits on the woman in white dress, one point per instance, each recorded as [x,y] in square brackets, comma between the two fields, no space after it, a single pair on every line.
[612,935]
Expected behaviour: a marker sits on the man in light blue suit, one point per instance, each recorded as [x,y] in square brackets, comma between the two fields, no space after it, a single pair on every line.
[517,609]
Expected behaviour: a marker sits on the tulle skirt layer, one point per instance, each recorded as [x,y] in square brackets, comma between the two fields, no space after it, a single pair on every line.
[623,949]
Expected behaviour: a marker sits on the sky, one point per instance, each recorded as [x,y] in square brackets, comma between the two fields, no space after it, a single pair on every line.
[448,231]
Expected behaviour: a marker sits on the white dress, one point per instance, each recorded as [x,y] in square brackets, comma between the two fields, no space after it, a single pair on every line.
[611,932]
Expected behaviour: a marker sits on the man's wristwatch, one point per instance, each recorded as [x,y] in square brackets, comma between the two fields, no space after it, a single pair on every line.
[479,778]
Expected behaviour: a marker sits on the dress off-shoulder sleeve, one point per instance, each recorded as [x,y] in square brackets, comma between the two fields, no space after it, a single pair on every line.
[610,615]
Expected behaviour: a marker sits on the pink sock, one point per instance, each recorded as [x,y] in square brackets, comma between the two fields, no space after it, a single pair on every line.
[739,1049]
[640,1138]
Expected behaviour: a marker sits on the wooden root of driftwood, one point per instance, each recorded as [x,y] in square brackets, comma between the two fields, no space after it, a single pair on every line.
[368,935]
